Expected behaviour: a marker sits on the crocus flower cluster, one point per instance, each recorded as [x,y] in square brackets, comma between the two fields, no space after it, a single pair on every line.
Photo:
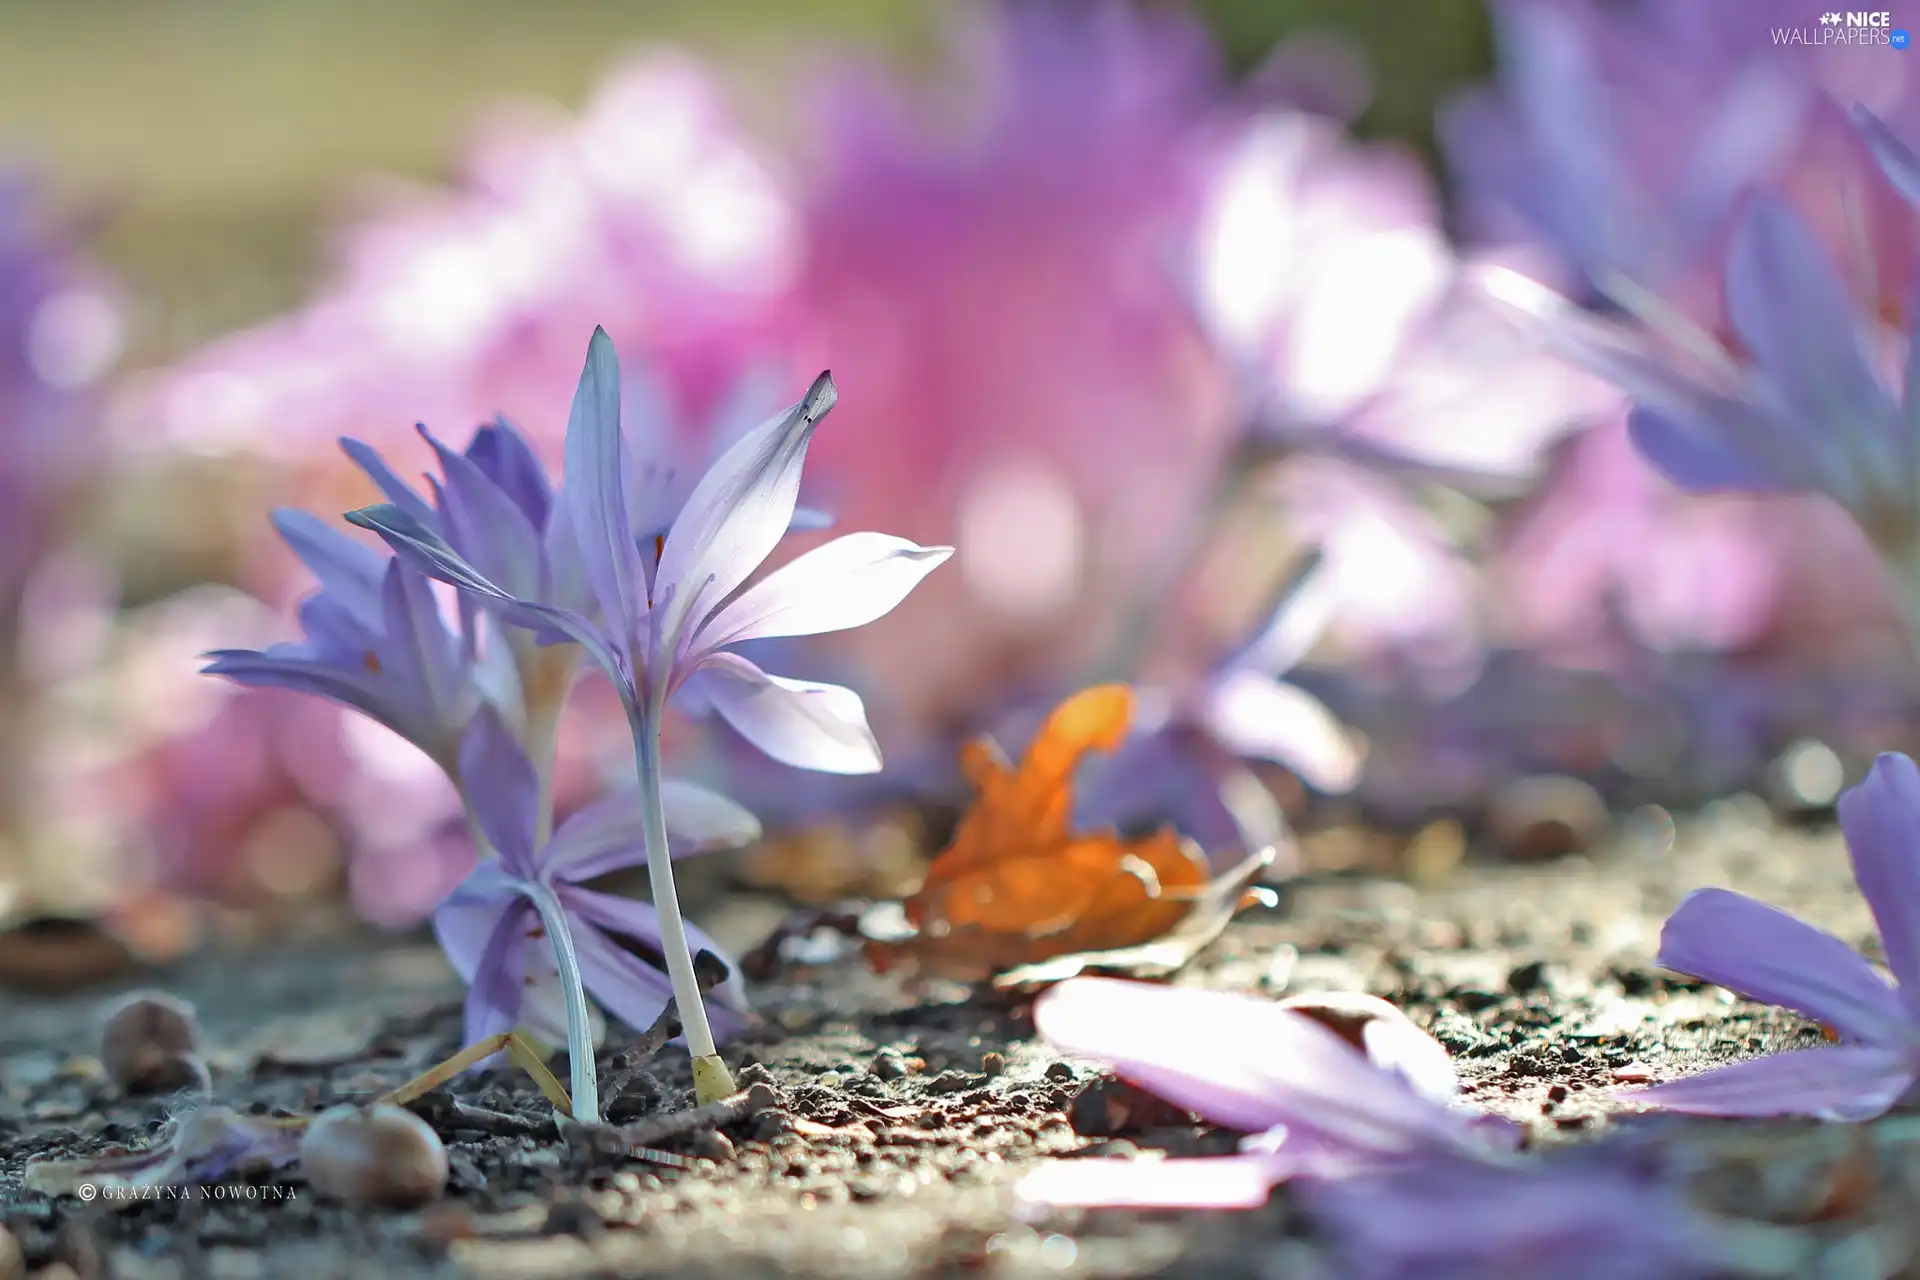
[654,596]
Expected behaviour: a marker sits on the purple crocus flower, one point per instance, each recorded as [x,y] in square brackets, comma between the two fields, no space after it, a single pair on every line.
[375,641]
[1183,760]
[1813,408]
[666,614]
[1317,1105]
[669,619]
[1764,954]
[494,926]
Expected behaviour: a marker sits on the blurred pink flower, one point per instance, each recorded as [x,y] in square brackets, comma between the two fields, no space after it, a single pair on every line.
[648,215]
[1322,271]
[1607,539]
[1374,368]
[996,289]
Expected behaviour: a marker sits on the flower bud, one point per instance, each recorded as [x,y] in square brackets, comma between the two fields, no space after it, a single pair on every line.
[150,1044]
[380,1155]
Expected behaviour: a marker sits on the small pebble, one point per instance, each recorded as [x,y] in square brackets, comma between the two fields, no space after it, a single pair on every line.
[753,1073]
[993,1063]
[1557,1093]
[381,1155]
[1633,1073]
[887,1065]
[1527,978]
[150,1044]
[711,1144]
[1060,1073]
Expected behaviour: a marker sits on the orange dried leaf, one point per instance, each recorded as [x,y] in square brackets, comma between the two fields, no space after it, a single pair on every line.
[1016,885]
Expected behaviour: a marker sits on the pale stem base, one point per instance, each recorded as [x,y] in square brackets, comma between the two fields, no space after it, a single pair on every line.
[710,1076]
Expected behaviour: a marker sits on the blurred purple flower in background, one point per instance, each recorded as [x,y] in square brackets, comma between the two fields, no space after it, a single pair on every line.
[1695,174]
[1324,275]
[1624,134]
[61,327]
[1183,760]
[1765,954]
[60,330]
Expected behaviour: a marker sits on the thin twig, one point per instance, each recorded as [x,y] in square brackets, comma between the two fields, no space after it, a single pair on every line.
[711,971]
[728,1110]
[523,1054]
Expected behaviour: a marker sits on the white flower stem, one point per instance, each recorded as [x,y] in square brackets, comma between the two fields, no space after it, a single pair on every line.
[586,1085]
[711,1079]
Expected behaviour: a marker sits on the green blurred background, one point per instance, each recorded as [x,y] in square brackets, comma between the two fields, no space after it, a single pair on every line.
[219,137]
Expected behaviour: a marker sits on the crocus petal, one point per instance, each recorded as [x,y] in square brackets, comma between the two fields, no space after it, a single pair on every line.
[503,457]
[348,570]
[485,943]
[610,834]
[625,985]
[1242,1062]
[1698,455]
[595,492]
[1764,954]
[1881,820]
[1792,310]
[737,514]
[397,491]
[847,583]
[1255,716]
[797,722]
[499,784]
[1216,1182]
[428,552]
[1850,1082]
[1897,160]
[1396,1045]
[417,651]
[484,521]
[366,694]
